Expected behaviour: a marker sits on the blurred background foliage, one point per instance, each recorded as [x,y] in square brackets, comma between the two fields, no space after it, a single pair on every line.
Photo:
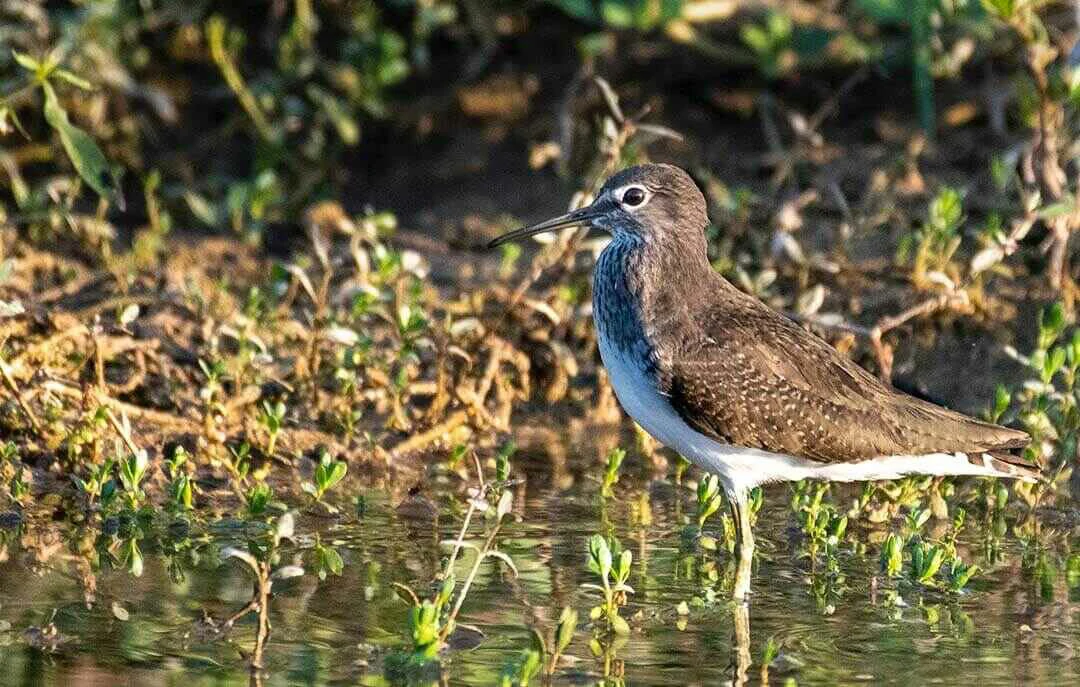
[241,114]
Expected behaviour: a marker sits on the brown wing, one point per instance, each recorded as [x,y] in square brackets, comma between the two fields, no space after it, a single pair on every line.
[751,377]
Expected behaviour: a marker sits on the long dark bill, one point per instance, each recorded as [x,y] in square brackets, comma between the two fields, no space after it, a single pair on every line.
[576,217]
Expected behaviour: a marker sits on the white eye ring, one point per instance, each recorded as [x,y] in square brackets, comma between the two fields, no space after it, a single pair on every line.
[632,197]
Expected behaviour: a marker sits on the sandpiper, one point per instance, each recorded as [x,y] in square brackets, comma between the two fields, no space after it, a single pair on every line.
[736,387]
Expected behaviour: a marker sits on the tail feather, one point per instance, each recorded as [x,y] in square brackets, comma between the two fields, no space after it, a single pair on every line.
[1008,465]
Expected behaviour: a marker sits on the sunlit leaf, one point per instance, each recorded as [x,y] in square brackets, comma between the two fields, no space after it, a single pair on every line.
[619,625]
[72,78]
[25,61]
[567,624]
[85,156]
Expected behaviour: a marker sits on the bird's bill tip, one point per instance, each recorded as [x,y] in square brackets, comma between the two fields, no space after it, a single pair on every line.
[570,219]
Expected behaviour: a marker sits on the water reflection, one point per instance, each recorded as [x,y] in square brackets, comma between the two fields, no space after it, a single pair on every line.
[812,617]
[740,625]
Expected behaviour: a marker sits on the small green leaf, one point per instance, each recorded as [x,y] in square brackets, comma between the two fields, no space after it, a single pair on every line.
[933,564]
[25,61]
[599,556]
[567,624]
[338,113]
[1051,323]
[502,461]
[329,561]
[1003,9]
[85,156]
[961,574]
[446,590]
[619,625]
[1053,362]
[72,78]
[1002,398]
[892,555]
[202,208]
[625,559]
[335,474]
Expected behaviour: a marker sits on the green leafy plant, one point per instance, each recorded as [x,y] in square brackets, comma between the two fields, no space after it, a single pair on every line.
[98,484]
[709,498]
[271,418]
[892,555]
[820,522]
[926,560]
[426,623]
[771,43]
[83,442]
[327,474]
[19,485]
[432,620]
[1048,403]
[85,155]
[258,498]
[611,564]
[182,486]
[238,463]
[931,247]
[263,558]
[931,563]
[623,14]
[611,472]
[132,472]
[327,560]
[527,666]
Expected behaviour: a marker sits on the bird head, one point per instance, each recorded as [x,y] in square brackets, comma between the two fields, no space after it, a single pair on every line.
[649,203]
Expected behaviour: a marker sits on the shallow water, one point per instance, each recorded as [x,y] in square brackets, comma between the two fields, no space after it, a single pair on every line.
[1017,622]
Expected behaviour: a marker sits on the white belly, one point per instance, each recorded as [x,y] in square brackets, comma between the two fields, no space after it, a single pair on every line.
[741,468]
[737,467]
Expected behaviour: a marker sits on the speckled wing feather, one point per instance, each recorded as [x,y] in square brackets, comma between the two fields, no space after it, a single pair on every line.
[748,376]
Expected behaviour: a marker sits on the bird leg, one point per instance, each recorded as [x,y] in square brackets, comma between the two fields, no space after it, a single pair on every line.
[741,660]
[744,544]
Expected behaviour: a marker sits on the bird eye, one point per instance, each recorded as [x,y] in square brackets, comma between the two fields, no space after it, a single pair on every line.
[634,196]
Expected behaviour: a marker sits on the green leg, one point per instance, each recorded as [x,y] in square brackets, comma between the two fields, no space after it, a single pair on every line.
[744,545]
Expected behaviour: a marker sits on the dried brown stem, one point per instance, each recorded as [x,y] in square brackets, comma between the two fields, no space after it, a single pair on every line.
[149,414]
[422,439]
[883,351]
[121,431]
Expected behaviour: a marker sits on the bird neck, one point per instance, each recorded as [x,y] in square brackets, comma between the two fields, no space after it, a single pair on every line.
[642,287]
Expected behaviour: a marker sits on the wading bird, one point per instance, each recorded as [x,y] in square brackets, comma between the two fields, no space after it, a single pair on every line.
[736,387]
